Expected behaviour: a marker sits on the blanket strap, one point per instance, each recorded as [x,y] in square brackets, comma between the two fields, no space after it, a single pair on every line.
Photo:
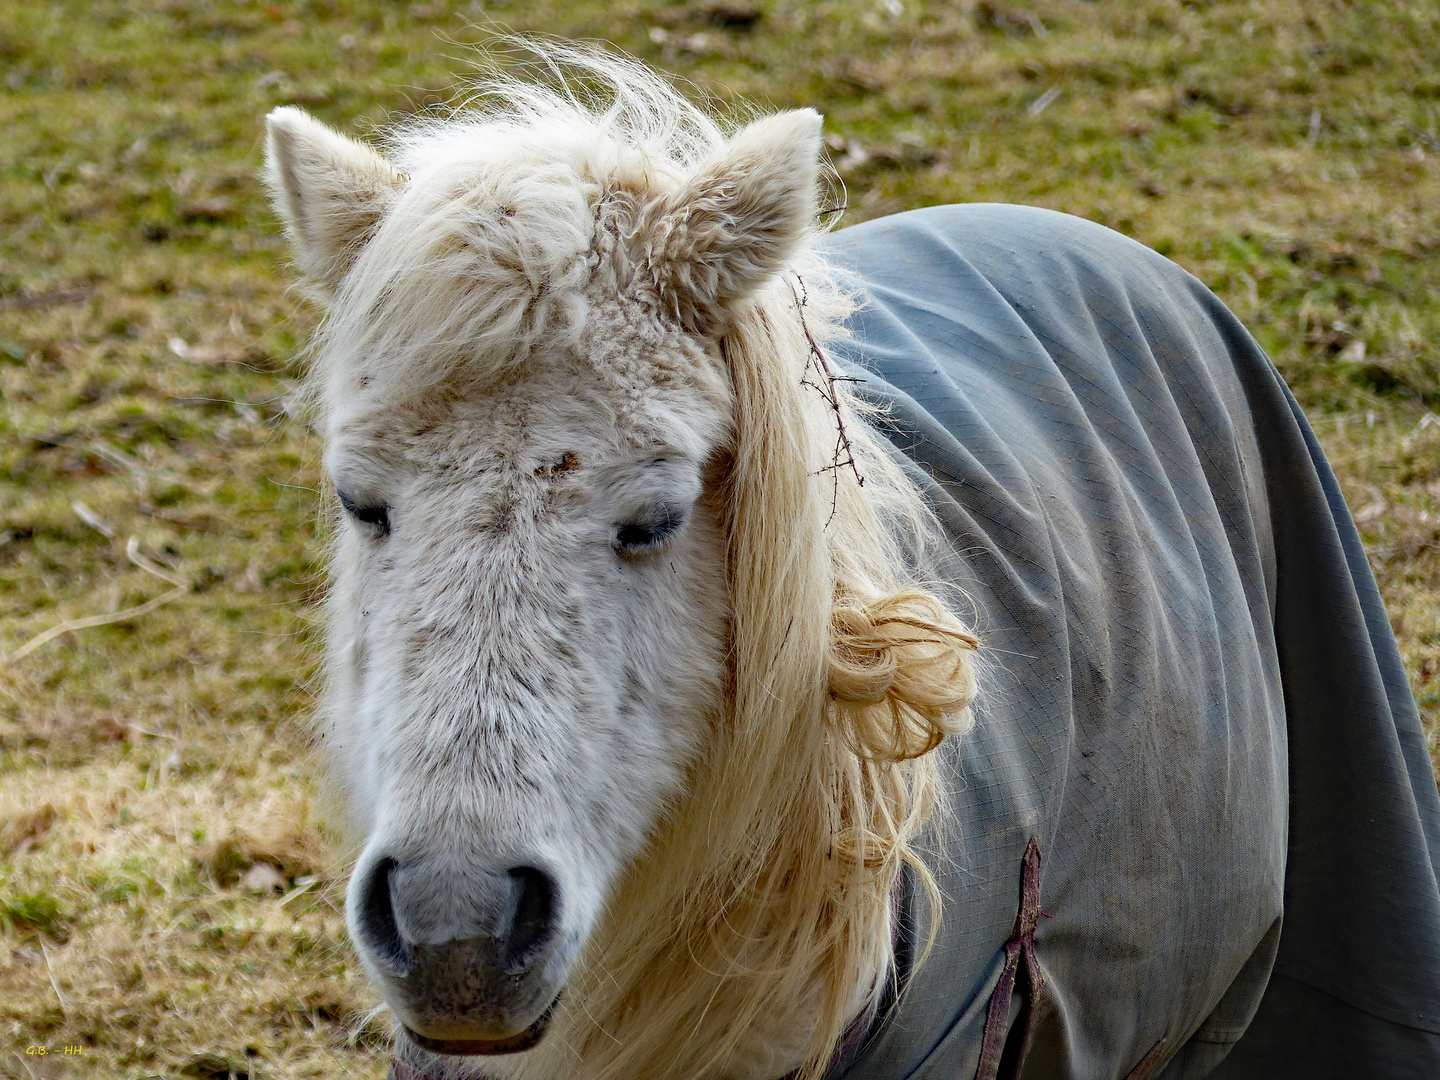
[1146,1066]
[1020,947]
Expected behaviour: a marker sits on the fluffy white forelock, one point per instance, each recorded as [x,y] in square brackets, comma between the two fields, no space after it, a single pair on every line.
[508,213]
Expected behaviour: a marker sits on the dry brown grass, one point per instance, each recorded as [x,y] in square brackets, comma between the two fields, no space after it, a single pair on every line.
[1284,151]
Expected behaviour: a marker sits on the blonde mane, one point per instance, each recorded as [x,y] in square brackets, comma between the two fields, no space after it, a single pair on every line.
[773,882]
[765,894]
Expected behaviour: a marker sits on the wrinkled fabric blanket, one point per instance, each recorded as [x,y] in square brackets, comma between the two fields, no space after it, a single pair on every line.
[1193,701]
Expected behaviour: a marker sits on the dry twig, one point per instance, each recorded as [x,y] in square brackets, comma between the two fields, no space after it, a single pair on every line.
[54,983]
[817,362]
[132,551]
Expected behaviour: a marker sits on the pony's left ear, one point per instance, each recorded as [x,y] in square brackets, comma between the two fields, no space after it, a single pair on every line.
[736,221]
[330,191]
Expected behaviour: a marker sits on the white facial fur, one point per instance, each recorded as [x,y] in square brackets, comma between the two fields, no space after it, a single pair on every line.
[501,665]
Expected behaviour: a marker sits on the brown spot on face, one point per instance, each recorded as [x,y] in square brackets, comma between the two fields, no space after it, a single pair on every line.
[569,462]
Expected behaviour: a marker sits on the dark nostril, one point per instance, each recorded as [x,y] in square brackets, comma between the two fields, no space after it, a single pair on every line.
[534,921]
[377,927]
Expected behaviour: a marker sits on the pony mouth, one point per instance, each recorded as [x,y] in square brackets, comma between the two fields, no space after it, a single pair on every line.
[511,1044]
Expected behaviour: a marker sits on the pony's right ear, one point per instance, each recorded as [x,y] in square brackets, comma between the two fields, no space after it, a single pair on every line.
[329,190]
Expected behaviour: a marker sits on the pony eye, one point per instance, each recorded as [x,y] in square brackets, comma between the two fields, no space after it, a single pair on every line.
[647,531]
[374,518]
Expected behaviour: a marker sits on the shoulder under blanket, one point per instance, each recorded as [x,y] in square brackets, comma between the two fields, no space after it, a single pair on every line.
[1193,699]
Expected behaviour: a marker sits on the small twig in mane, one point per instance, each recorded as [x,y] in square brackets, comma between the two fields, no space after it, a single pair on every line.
[132,551]
[844,452]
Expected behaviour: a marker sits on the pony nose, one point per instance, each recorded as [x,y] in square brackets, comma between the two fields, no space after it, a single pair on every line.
[411,916]
[532,926]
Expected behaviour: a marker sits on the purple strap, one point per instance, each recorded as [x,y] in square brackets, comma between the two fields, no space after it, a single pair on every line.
[1021,946]
[1146,1066]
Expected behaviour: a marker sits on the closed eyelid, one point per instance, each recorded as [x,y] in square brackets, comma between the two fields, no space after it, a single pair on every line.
[375,516]
[648,529]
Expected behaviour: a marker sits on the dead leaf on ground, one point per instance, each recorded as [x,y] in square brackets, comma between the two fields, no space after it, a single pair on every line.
[858,75]
[282,846]
[730,14]
[21,833]
[114,729]
[263,877]
[1370,511]
[854,156]
[1009,20]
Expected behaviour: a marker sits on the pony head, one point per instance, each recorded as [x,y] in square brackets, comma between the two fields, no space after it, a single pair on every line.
[612,658]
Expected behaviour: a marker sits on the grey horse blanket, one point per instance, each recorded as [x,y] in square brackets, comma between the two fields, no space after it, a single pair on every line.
[1194,720]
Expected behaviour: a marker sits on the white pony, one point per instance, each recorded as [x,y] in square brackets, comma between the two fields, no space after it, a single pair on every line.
[630,685]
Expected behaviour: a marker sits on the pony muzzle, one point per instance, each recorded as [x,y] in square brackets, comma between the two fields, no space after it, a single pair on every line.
[514,1044]
[461,958]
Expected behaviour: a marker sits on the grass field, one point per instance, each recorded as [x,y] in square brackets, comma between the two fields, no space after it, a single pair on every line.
[169,899]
